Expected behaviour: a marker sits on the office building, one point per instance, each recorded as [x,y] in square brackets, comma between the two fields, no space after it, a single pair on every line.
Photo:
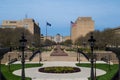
[81,27]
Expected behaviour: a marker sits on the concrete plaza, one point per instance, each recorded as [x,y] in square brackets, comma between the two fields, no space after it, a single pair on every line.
[36,75]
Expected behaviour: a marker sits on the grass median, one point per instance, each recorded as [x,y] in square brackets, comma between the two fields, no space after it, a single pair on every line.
[109,72]
[9,74]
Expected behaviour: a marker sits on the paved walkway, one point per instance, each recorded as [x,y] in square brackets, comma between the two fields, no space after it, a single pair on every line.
[35,75]
[58,51]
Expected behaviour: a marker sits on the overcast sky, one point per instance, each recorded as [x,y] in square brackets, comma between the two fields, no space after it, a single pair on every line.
[59,13]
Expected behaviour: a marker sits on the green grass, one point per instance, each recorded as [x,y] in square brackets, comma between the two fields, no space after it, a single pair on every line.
[109,73]
[8,74]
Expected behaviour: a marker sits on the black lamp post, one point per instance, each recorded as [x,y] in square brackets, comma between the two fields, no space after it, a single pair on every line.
[109,61]
[79,58]
[77,52]
[95,64]
[23,42]
[92,41]
[84,44]
[9,62]
[116,50]
[40,58]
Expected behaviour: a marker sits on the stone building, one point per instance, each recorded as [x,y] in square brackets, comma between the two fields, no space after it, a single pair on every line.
[117,30]
[58,38]
[26,23]
[81,27]
[29,24]
[66,38]
[48,37]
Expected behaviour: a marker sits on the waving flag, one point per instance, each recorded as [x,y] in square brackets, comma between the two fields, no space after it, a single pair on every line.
[73,24]
[48,24]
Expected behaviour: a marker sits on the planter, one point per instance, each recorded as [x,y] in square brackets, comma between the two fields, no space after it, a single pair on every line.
[59,69]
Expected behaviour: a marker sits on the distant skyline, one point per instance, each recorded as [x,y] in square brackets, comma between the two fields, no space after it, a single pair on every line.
[60,13]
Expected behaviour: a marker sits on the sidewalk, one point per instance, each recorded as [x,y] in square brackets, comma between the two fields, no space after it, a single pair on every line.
[35,75]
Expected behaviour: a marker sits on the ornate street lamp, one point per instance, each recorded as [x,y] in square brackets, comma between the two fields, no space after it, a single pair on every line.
[79,58]
[22,46]
[40,58]
[109,62]
[116,50]
[92,41]
[84,44]
[9,56]
[95,58]
[77,52]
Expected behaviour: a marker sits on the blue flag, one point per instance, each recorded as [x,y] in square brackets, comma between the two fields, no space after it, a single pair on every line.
[48,24]
[72,22]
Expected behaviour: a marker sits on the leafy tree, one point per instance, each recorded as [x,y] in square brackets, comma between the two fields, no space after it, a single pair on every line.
[67,42]
[107,37]
[10,36]
[48,42]
[80,41]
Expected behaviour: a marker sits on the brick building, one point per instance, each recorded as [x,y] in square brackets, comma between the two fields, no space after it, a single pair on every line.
[81,27]
[26,23]
[29,24]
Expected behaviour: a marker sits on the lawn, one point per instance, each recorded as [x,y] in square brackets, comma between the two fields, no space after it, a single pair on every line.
[110,73]
[8,74]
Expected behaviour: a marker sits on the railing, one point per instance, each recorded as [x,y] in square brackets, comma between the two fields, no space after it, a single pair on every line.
[34,53]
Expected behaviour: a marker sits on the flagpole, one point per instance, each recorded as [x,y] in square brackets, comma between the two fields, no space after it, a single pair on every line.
[46,37]
[46,30]
[47,24]
[70,30]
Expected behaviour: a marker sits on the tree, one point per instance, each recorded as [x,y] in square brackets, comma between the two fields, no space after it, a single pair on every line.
[67,42]
[48,42]
[10,36]
[107,37]
[79,41]
[36,40]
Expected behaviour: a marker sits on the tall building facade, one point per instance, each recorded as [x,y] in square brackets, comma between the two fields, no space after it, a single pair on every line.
[28,24]
[117,30]
[57,38]
[81,27]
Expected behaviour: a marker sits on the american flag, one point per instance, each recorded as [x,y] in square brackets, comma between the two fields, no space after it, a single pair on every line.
[72,24]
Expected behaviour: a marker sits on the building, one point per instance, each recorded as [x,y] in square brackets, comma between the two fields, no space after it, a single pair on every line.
[117,30]
[48,37]
[66,38]
[81,27]
[58,38]
[29,24]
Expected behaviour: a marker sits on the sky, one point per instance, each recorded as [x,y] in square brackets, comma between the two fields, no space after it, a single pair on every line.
[59,13]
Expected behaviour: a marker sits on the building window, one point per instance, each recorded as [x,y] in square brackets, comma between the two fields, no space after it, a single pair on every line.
[26,26]
[9,26]
[12,21]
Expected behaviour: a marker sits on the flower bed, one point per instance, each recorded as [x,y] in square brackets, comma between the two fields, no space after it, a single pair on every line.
[59,69]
